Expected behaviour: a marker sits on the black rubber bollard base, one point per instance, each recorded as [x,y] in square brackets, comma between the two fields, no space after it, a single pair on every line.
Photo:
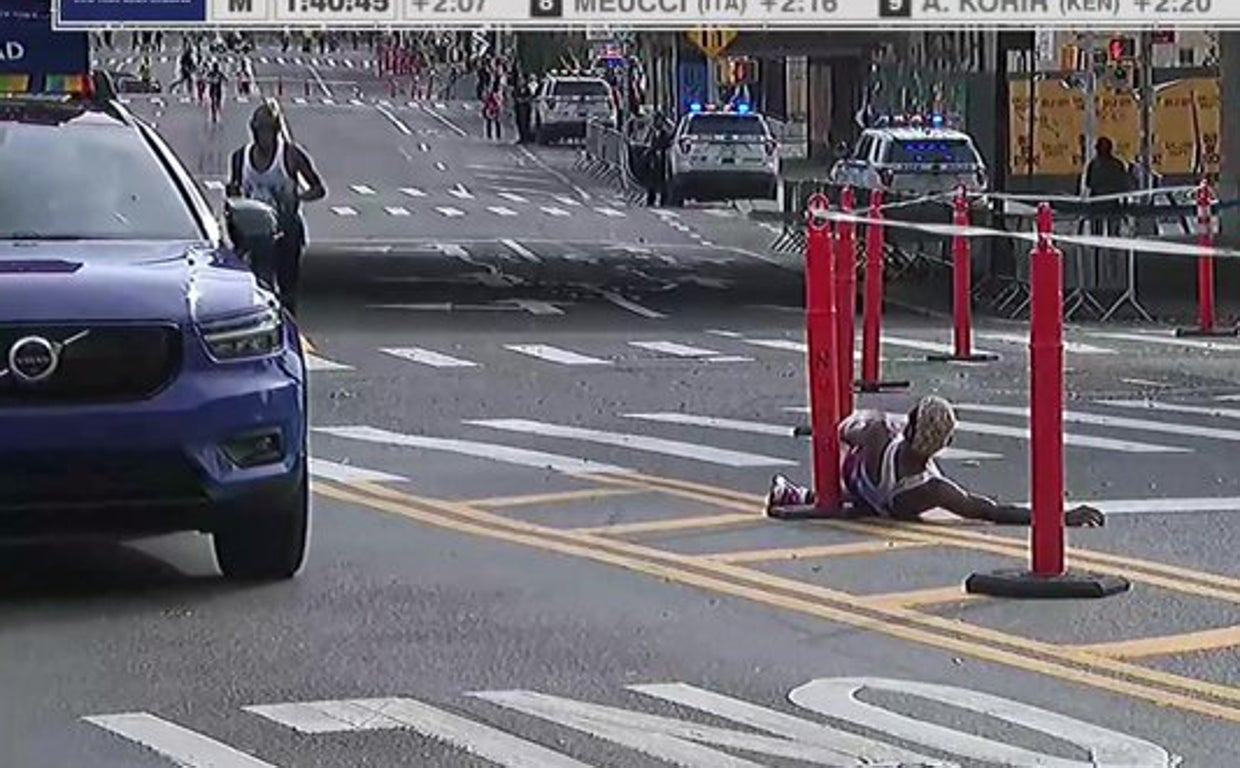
[805,512]
[952,357]
[1189,333]
[1073,585]
[804,430]
[880,386]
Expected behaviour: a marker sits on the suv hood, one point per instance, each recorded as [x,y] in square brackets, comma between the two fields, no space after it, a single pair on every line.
[56,281]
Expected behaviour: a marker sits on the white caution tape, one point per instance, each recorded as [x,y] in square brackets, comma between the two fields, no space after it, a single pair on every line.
[1089,241]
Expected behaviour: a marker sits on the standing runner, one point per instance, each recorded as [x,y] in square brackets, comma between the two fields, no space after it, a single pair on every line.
[270,169]
[215,89]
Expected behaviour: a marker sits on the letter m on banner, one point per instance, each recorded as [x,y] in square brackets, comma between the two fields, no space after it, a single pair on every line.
[240,6]
[711,41]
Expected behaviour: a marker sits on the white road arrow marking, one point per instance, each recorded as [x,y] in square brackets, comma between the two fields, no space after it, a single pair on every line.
[521,251]
[632,306]
[490,744]
[461,193]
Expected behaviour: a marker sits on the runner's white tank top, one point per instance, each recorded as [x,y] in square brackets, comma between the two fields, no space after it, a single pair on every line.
[274,186]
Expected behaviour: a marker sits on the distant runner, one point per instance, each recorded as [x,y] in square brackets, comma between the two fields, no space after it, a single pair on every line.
[889,471]
[215,89]
[269,169]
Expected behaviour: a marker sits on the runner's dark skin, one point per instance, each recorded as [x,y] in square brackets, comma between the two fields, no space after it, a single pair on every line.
[871,437]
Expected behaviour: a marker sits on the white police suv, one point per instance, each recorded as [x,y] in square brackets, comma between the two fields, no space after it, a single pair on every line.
[565,104]
[912,158]
[727,154]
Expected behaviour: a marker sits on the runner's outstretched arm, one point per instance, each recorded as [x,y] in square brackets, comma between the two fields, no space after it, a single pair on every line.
[944,494]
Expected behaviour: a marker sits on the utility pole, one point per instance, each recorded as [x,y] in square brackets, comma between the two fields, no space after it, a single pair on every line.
[1146,96]
[1091,107]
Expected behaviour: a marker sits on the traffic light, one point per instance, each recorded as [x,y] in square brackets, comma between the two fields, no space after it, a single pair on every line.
[1122,48]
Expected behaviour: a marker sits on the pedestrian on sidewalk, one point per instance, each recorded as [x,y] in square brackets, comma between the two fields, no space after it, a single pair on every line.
[493,113]
[522,107]
[889,471]
[656,171]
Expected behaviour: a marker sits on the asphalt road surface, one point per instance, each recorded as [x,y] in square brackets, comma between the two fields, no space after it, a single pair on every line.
[544,421]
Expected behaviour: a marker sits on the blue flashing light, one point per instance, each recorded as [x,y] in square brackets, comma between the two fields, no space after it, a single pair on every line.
[695,106]
[937,121]
[742,109]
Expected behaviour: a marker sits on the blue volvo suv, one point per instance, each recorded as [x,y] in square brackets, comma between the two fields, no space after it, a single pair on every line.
[148,382]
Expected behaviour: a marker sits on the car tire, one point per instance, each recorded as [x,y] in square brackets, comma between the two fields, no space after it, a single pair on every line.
[266,544]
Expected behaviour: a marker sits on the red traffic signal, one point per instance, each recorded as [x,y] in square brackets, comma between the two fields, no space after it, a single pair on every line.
[1121,48]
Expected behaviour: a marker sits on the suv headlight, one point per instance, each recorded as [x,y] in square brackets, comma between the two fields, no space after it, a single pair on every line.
[257,334]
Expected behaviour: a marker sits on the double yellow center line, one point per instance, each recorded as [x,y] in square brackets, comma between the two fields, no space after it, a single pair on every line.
[1074,665]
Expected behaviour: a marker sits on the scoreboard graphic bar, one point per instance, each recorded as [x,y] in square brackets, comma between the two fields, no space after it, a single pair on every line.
[679,15]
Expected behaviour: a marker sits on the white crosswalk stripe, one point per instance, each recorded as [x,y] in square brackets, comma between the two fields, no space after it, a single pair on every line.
[344,210]
[428,357]
[503,454]
[674,349]
[1209,411]
[610,212]
[1169,341]
[450,212]
[397,210]
[215,185]
[555,354]
[694,451]
[1073,347]
[182,746]
[1179,429]
[774,430]
[513,197]
[412,192]
[552,210]
[500,210]
[362,189]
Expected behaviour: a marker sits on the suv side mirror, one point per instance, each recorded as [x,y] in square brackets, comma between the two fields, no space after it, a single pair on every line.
[252,225]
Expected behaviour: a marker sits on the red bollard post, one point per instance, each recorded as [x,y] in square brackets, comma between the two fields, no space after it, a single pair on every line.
[845,301]
[1046,394]
[820,321]
[962,291]
[1048,576]
[872,322]
[1205,269]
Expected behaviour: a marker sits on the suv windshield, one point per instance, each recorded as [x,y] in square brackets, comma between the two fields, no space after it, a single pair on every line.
[725,125]
[86,183]
[580,88]
[933,151]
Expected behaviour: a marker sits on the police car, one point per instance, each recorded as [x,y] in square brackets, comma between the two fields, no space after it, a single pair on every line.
[564,104]
[722,154]
[912,157]
[148,382]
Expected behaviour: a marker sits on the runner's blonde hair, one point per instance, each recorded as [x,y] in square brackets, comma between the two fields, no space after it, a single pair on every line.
[936,420]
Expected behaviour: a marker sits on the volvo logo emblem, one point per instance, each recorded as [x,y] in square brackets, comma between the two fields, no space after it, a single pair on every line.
[33,359]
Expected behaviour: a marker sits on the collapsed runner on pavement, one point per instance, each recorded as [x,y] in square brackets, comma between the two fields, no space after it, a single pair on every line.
[889,471]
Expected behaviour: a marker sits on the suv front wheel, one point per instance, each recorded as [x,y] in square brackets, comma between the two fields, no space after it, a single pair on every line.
[266,544]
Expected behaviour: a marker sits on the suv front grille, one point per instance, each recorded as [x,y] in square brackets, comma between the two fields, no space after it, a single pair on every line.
[109,363]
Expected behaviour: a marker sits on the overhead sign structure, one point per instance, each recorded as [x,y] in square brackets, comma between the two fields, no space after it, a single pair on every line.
[677,15]
[33,57]
[712,42]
